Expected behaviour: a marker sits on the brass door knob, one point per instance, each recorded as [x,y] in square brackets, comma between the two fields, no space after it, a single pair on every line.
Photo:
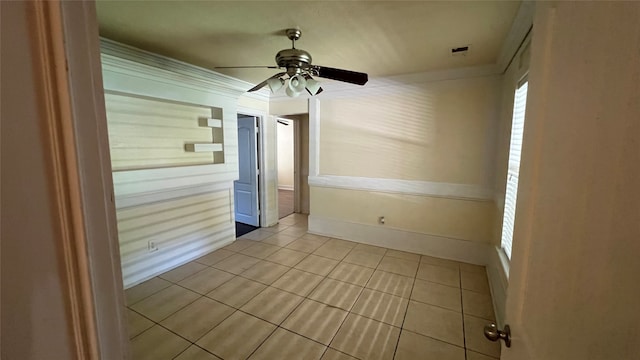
[492,333]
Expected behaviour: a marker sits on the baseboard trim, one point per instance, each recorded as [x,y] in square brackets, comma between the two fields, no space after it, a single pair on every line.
[143,271]
[285,187]
[497,271]
[408,187]
[397,239]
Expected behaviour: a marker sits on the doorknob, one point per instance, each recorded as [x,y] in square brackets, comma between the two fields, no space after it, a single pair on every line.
[492,333]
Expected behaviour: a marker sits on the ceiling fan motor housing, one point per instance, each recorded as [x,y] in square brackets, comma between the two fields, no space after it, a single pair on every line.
[294,60]
[300,71]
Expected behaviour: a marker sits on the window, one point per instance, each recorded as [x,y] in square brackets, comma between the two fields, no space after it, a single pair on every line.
[515,148]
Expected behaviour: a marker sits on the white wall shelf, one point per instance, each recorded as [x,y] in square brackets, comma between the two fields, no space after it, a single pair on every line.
[211,122]
[203,147]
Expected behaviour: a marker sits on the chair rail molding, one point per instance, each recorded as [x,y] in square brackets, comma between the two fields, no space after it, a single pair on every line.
[407,187]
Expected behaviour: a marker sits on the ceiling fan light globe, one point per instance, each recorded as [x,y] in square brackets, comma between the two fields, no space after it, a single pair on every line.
[292,93]
[275,84]
[297,83]
[313,86]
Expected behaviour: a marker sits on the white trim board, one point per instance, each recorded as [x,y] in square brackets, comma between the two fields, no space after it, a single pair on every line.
[314,138]
[285,187]
[380,235]
[497,272]
[408,187]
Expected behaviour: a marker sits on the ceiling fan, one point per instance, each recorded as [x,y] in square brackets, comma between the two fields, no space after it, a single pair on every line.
[300,72]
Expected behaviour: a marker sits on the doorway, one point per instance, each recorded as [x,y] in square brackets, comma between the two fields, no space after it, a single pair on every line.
[293,164]
[286,165]
[246,188]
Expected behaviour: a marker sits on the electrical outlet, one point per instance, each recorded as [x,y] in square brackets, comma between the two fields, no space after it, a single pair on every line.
[152,246]
[381,220]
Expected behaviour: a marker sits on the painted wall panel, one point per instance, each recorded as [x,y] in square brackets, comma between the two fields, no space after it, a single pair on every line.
[453,218]
[174,226]
[180,201]
[439,132]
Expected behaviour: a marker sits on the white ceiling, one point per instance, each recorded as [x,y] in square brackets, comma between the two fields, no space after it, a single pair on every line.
[381,38]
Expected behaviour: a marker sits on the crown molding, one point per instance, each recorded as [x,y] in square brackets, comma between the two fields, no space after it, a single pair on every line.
[390,84]
[522,23]
[116,54]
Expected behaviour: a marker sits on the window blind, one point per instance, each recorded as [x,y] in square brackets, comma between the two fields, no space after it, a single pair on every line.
[515,150]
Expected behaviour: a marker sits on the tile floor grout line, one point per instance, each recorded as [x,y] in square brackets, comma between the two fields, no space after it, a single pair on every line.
[146,297]
[196,345]
[347,311]
[191,302]
[154,323]
[437,306]
[413,284]
[354,303]
[283,320]
[185,288]
[464,335]
[436,339]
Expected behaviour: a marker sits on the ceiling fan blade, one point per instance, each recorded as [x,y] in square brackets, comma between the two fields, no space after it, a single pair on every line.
[352,77]
[264,83]
[246,67]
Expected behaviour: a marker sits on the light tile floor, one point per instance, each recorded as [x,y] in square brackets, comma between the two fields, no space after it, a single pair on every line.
[281,293]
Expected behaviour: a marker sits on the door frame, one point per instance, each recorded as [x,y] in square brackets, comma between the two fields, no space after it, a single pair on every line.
[297,181]
[261,161]
[68,67]
[297,163]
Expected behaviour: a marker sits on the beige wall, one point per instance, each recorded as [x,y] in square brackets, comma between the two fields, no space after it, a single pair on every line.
[439,132]
[454,218]
[288,106]
[285,155]
[245,101]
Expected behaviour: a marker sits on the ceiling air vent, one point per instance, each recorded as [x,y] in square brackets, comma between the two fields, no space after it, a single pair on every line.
[460,51]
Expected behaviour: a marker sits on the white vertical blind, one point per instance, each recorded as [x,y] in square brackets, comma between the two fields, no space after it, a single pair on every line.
[515,149]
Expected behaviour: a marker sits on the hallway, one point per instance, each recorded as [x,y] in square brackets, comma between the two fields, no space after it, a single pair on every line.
[285,203]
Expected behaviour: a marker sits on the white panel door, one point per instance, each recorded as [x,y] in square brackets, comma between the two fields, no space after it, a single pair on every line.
[246,187]
[574,287]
